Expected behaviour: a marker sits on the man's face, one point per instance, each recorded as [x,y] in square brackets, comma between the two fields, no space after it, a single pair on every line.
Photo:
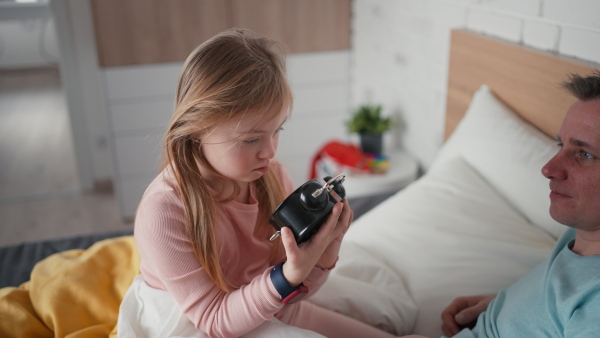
[574,172]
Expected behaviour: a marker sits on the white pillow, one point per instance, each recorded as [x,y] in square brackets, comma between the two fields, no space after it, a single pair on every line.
[509,153]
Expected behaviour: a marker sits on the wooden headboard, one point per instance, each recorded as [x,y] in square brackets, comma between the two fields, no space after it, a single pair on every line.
[526,80]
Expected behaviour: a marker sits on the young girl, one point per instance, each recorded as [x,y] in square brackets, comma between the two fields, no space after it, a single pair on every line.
[202,229]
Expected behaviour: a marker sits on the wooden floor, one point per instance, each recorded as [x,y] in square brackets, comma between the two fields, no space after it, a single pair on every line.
[40,196]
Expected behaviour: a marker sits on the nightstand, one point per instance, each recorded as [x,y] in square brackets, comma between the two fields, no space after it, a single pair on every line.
[402,171]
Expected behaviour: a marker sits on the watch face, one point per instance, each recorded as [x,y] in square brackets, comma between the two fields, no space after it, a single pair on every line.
[296,295]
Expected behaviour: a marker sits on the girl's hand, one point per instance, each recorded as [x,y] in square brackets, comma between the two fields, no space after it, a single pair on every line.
[330,255]
[322,247]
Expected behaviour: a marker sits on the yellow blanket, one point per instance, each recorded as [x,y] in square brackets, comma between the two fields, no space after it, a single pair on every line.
[74,293]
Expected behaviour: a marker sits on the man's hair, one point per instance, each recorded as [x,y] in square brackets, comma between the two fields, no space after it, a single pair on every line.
[584,87]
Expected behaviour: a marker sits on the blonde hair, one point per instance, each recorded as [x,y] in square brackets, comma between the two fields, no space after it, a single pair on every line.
[233,73]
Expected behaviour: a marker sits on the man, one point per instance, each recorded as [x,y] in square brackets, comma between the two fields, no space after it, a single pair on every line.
[561,296]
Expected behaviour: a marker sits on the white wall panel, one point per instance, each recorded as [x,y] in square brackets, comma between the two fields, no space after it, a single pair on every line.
[315,101]
[130,191]
[318,67]
[142,81]
[136,115]
[307,135]
[138,153]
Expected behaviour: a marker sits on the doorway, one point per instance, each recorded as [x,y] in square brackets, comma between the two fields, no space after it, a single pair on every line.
[41,195]
[36,144]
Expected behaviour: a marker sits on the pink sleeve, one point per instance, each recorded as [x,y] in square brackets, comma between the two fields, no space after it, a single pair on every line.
[172,265]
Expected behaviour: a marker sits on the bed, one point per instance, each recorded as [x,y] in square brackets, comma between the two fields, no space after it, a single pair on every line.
[474,223]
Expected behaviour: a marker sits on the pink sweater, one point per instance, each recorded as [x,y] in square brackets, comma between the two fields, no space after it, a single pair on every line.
[168,261]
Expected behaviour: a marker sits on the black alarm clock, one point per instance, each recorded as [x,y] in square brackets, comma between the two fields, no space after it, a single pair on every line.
[307,208]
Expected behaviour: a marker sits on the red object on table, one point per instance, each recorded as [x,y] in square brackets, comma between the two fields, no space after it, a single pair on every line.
[344,154]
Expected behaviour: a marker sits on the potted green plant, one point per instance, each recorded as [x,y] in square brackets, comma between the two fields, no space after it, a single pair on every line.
[367,121]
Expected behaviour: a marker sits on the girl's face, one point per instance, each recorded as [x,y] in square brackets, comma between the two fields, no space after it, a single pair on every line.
[242,148]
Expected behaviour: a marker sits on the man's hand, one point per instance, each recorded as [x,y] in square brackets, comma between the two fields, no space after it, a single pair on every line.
[463,312]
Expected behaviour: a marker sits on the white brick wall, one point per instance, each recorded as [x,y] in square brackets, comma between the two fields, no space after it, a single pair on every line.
[526,7]
[585,13]
[499,24]
[541,35]
[400,52]
[581,43]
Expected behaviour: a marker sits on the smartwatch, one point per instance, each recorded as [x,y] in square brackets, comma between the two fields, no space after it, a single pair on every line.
[288,293]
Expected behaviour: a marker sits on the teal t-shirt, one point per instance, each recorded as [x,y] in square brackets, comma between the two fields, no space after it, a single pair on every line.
[558,298]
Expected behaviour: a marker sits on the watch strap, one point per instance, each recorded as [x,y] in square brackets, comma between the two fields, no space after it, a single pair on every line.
[288,293]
